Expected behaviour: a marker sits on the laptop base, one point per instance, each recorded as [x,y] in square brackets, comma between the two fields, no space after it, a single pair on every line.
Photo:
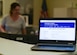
[53,48]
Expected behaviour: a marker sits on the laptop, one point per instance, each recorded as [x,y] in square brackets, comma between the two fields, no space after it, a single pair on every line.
[56,34]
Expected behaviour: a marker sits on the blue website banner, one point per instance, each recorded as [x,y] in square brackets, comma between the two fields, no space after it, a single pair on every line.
[57,24]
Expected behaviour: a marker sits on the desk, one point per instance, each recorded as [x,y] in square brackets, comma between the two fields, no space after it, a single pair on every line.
[9,47]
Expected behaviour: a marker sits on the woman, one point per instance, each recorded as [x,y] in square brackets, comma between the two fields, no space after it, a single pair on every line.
[13,23]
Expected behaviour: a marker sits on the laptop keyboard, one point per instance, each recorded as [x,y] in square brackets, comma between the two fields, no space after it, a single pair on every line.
[53,47]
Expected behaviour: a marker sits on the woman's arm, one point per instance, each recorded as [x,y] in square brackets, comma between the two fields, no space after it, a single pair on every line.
[2,29]
[2,25]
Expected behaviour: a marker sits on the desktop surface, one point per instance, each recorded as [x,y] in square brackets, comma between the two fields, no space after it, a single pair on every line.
[9,47]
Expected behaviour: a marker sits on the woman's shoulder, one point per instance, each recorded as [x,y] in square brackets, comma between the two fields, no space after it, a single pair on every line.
[5,17]
[21,17]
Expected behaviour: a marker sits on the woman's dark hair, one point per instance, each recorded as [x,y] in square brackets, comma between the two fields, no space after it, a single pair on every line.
[13,6]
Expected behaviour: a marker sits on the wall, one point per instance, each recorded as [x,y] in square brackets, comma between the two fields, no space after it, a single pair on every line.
[37,10]
[62,3]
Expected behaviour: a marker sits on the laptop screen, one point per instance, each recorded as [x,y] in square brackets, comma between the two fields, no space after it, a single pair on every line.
[63,30]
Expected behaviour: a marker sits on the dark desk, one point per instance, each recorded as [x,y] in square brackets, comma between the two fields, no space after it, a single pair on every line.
[29,38]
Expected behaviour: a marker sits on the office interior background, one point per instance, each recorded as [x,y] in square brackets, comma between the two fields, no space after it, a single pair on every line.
[55,8]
